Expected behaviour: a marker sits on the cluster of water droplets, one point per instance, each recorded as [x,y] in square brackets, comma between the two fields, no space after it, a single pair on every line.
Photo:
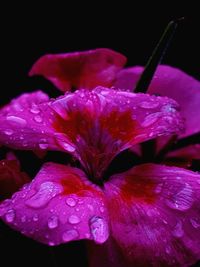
[70,230]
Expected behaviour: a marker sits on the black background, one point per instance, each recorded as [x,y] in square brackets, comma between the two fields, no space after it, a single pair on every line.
[28,34]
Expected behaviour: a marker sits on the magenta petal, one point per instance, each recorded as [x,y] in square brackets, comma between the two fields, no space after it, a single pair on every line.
[174,83]
[96,125]
[80,69]
[189,152]
[155,215]
[11,177]
[58,206]
[25,123]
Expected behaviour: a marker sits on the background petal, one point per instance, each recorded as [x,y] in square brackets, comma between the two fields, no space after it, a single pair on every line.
[171,82]
[155,215]
[11,177]
[80,69]
[58,206]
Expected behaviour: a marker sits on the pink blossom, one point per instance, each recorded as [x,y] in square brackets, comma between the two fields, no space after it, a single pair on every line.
[146,216]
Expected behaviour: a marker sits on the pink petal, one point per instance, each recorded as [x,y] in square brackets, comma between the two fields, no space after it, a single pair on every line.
[96,125]
[58,206]
[26,100]
[174,83]
[11,177]
[80,69]
[24,123]
[155,216]
[189,152]
[183,157]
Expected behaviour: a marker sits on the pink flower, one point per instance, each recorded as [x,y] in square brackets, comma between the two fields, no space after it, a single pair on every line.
[104,67]
[146,216]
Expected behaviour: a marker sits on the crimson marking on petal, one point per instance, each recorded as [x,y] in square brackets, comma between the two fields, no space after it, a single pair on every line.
[73,185]
[139,188]
[120,125]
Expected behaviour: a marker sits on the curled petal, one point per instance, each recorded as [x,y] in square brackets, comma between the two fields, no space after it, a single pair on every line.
[155,216]
[11,177]
[96,125]
[58,206]
[171,82]
[80,69]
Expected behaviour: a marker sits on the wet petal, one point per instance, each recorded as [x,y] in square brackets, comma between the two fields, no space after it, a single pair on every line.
[27,100]
[155,216]
[25,123]
[96,125]
[174,83]
[80,69]
[58,206]
[11,177]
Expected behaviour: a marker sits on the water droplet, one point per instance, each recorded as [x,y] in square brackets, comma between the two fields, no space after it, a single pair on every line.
[53,222]
[182,200]
[46,192]
[150,119]
[165,222]
[16,120]
[34,110]
[102,209]
[158,188]
[23,219]
[73,219]
[70,235]
[99,229]
[38,119]
[10,216]
[35,218]
[178,231]
[195,223]
[8,132]
[148,105]
[67,146]
[43,146]
[71,202]
[168,249]
[50,243]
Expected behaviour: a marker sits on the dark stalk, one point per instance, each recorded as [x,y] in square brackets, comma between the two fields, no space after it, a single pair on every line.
[156,56]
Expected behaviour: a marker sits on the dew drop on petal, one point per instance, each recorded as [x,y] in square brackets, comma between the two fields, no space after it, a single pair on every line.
[71,202]
[70,235]
[43,146]
[46,192]
[150,119]
[16,120]
[178,231]
[10,216]
[99,229]
[182,200]
[53,222]
[38,118]
[34,110]
[35,218]
[23,219]
[8,132]
[73,219]
[195,223]
[148,105]
[51,243]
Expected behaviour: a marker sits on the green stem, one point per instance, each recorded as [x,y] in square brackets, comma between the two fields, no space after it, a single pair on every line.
[156,56]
